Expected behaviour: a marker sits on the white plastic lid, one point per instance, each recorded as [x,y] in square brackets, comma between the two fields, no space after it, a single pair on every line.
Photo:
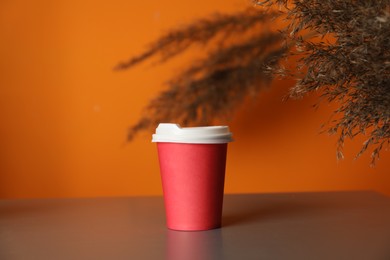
[173,133]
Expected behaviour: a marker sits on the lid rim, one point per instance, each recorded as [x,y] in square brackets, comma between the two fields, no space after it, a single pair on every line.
[173,133]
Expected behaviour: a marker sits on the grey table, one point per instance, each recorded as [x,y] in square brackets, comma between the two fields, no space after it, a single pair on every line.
[323,225]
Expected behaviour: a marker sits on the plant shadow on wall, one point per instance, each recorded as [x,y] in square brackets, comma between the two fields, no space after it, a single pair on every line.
[338,48]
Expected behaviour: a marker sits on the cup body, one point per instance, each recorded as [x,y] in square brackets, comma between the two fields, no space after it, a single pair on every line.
[192,166]
[193,182]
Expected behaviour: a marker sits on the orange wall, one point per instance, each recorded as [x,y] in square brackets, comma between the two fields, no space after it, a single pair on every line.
[64,113]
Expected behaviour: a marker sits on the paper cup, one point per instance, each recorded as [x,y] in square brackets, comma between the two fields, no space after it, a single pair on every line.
[192,167]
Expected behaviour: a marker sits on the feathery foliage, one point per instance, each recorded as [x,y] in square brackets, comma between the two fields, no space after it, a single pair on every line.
[352,70]
[212,87]
[348,61]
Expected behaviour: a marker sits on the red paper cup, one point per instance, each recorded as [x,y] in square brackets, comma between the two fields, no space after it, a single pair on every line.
[192,174]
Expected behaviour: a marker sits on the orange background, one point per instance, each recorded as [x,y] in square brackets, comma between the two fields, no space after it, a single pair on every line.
[64,113]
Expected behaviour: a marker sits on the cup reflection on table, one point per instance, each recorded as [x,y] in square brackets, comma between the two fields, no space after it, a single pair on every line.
[194,245]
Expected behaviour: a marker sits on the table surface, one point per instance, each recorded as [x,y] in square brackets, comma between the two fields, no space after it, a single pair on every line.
[319,225]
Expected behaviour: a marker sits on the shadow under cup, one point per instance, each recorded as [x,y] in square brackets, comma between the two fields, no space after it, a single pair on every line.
[193,178]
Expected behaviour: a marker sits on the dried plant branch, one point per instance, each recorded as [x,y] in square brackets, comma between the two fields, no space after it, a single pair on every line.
[212,87]
[200,32]
[351,68]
